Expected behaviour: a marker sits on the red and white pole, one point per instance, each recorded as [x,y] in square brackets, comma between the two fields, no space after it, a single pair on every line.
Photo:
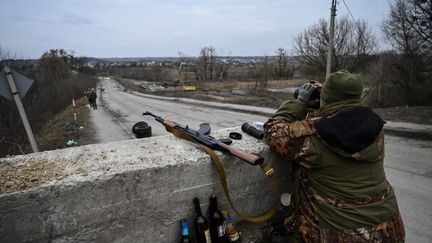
[74,108]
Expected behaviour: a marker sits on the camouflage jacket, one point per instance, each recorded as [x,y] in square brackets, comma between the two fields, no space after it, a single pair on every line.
[342,192]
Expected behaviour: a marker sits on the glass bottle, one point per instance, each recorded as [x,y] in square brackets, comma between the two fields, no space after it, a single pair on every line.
[184,231]
[230,229]
[217,222]
[201,226]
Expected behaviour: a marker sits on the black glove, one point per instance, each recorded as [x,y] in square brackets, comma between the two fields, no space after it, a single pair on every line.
[309,94]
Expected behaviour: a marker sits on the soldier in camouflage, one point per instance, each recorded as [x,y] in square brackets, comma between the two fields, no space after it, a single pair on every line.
[341,193]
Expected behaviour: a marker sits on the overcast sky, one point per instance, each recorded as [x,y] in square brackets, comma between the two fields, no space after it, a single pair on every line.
[137,28]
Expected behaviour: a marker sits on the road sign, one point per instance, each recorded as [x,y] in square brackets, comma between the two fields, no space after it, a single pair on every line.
[9,76]
[22,82]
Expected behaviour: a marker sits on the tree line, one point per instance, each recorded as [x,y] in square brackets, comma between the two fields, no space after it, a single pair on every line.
[58,76]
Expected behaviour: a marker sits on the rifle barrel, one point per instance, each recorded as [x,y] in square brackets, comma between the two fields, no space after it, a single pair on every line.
[158,118]
[148,113]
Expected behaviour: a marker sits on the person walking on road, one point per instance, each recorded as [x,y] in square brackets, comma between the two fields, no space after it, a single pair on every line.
[87,93]
[340,193]
[92,99]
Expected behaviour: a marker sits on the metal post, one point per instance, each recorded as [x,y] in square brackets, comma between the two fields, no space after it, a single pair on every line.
[20,107]
[330,43]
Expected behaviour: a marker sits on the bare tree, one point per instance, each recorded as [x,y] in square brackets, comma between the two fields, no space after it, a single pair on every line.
[421,20]
[206,62]
[212,56]
[282,62]
[398,30]
[353,45]
[410,55]
[262,72]
[292,67]
[5,55]
[222,67]
[181,61]
[404,40]
[55,65]
[203,62]
[364,46]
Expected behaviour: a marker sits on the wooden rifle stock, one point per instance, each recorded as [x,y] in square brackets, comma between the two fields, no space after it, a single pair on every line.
[245,156]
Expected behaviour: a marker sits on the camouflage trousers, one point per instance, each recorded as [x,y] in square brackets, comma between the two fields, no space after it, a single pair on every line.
[304,227]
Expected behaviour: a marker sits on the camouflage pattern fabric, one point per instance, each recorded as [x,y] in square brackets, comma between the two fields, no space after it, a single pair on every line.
[287,140]
[293,140]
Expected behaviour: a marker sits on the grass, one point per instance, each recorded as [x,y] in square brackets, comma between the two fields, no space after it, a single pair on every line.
[274,84]
[54,135]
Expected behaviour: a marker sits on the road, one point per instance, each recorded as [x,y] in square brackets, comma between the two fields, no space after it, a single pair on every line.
[126,109]
[408,162]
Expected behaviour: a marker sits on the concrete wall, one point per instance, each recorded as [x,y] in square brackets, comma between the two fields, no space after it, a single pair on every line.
[131,191]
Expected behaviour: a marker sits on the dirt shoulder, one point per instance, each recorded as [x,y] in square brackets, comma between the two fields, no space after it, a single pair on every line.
[62,128]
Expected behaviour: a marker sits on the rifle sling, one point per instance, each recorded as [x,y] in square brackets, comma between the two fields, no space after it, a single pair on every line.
[268,170]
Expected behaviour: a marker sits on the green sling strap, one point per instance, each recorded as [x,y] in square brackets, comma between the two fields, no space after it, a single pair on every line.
[268,170]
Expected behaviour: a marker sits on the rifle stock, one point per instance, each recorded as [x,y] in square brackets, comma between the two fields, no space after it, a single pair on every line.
[245,156]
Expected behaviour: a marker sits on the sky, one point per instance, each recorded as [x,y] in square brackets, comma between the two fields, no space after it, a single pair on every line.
[160,28]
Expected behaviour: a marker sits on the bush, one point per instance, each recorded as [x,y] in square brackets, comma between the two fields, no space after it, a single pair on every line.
[55,82]
[390,81]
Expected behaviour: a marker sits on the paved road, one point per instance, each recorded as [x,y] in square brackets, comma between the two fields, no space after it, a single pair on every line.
[408,162]
[126,109]
[408,165]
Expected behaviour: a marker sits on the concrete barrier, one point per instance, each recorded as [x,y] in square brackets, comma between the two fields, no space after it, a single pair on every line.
[130,191]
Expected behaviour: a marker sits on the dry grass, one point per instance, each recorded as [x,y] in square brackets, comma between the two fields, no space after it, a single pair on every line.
[273,84]
[54,135]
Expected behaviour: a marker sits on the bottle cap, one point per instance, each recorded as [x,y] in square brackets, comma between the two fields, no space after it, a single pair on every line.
[235,135]
[226,215]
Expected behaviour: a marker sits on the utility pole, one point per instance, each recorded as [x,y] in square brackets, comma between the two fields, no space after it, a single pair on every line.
[330,43]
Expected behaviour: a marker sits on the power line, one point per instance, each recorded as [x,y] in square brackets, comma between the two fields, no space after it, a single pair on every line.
[356,23]
[346,6]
